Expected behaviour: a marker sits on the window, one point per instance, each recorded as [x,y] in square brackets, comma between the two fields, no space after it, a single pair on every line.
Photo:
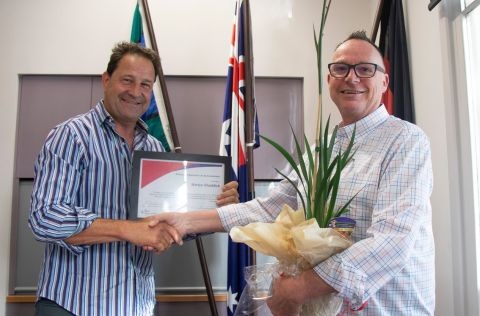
[461,20]
[471,31]
[469,2]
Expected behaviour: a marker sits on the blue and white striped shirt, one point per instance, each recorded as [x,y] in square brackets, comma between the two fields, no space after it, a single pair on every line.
[82,173]
[391,264]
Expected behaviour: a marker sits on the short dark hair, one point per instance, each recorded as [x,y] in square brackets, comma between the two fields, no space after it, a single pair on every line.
[361,35]
[128,48]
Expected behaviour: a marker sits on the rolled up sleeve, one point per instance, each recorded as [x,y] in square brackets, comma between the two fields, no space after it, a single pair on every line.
[54,214]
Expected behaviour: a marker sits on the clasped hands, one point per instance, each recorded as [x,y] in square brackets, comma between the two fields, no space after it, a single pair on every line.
[161,231]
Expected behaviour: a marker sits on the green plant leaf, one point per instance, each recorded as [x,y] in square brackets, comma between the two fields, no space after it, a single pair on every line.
[333,138]
[300,160]
[327,150]
[296,188]
[292,163]
[333,196]
[344,208]
[323,192]
[310,177]
[284,153]
[348,152]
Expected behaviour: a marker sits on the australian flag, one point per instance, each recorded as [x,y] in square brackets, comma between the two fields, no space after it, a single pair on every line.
[233,142]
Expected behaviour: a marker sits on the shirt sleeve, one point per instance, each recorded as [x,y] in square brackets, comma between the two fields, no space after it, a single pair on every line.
[54,214]
[400,215]
[260,209]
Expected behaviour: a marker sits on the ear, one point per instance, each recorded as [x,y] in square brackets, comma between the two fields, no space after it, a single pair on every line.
[386,80]
[105,79]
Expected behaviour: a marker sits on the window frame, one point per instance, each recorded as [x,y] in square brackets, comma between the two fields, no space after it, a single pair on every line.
[463,165]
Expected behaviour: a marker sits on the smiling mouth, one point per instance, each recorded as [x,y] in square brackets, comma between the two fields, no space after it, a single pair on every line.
[351,92]
[133,101]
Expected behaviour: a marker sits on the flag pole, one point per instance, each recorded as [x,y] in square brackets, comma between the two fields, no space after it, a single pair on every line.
[178,148]
[161,78]
[376,24]
[249,107]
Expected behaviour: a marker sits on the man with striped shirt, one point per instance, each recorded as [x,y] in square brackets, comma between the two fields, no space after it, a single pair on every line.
[390,268]
[94,263]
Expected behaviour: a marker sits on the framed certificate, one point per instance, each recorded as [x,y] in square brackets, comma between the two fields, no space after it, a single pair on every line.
[175,182]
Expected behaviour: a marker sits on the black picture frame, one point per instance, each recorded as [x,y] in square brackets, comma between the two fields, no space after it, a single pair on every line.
[140,156]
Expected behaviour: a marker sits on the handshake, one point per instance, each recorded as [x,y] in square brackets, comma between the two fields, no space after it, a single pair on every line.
[158,232]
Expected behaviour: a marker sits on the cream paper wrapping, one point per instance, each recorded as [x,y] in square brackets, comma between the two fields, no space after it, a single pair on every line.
[297,242]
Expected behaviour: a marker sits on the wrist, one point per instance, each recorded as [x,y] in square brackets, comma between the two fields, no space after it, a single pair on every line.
[123,230]
[304,293]
[313,286]
[101,231]
[202,221]
[187,224]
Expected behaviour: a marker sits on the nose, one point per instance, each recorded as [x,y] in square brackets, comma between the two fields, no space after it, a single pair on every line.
[352,75]
[135,90]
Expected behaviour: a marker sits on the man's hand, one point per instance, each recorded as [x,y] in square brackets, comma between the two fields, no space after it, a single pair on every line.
[138,232]
[290,293]
[194,222]
[229,194]
[176,221]
[158,238]
[284,300]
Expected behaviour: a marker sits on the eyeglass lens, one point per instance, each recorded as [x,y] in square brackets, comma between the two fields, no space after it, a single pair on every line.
[341,70]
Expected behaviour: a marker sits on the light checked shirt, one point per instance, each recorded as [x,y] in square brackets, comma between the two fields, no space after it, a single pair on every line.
[390,266]
[82,173]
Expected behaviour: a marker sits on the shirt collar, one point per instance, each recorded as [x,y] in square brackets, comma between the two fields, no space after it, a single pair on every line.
[366,124]
[105,117]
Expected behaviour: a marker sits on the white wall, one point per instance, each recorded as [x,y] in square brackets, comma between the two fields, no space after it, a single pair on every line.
[282,46]
[75,37]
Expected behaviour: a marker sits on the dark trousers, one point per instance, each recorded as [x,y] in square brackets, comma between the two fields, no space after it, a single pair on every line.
[45,307]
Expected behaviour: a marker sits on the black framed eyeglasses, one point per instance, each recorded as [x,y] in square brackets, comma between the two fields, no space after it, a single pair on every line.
[362,70]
